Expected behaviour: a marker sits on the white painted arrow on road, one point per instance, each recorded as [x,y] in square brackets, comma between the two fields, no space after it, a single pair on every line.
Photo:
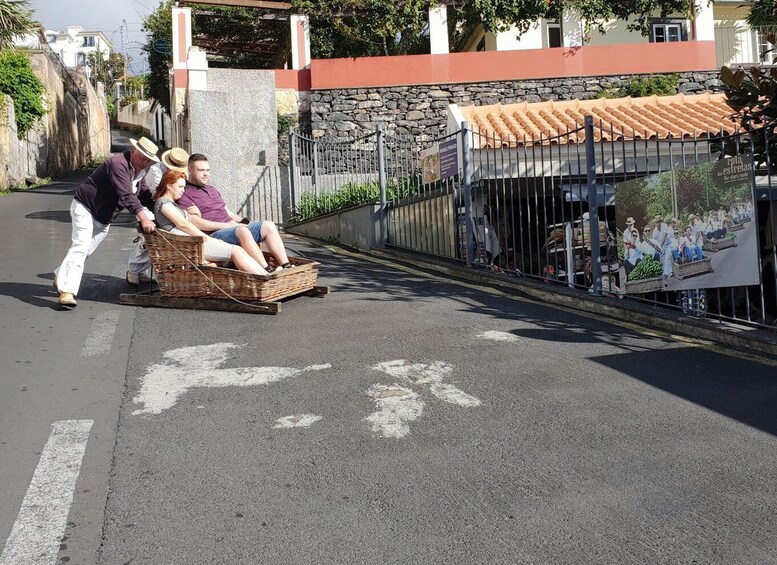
[199,367]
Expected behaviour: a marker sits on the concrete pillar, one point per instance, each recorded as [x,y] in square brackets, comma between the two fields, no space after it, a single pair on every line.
[704,21]
[438,29]
[198,69]
[300,42]
[572,29]
[182,42]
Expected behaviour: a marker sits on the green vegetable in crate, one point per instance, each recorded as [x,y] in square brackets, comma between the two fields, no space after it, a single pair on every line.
[648,268]
[730,235]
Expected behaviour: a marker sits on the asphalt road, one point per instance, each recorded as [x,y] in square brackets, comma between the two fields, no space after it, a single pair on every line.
[403,418]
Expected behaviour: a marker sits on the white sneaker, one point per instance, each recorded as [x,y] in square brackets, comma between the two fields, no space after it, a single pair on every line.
[136,279]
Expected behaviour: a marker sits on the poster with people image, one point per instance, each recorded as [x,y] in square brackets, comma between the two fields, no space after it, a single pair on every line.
[688,228]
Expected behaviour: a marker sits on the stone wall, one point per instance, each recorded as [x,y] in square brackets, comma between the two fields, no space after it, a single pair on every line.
[422,110]
[234,123]
[74,131]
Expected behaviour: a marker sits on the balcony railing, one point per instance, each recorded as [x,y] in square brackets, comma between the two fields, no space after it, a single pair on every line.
[744,46]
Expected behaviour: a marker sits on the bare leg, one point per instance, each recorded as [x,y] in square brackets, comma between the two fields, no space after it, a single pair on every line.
[245,262]
[274,242]
[248,243]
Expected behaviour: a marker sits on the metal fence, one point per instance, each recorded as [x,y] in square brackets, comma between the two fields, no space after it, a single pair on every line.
[544,208]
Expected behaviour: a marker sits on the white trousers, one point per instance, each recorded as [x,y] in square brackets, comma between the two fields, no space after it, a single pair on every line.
[139,262]
[87,234]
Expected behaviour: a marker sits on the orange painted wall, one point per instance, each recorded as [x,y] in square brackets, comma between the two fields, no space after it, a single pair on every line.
[600,60]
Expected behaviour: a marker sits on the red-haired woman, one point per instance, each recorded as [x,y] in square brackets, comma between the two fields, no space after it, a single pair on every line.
[170,217]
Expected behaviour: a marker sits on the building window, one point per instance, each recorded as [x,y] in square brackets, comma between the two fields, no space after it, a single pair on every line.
[554,34]
[667,31]
[80,59]
[88,41]
[51,38]
[766,52]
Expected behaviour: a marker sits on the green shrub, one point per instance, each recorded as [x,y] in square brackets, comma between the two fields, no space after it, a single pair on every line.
[653,85]
[19,82]
[350,195]
[285,122]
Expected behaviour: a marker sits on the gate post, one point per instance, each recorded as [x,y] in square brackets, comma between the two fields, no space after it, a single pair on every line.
[293,169]
[466,158]
[593,206]
[315,169]
[383,213]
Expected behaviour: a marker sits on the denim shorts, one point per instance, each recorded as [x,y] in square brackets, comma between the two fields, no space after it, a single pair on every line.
[230,234]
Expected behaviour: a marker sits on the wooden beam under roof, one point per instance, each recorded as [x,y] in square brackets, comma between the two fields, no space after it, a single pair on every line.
[263,4]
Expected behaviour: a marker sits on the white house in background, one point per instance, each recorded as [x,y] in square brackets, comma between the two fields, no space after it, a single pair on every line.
[74,45]
[722,21]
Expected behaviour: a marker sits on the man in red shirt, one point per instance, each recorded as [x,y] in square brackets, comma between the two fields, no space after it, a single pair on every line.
[209,212]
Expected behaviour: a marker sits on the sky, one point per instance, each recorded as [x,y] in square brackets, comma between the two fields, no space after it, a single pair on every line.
[119,20]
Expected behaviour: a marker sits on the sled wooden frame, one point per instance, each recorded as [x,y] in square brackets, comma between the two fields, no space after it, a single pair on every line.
[154,299]
[184,282]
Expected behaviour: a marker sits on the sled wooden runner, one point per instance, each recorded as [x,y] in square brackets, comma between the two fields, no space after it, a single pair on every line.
[154,299]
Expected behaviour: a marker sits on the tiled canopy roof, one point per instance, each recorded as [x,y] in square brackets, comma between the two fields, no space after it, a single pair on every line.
[652,117]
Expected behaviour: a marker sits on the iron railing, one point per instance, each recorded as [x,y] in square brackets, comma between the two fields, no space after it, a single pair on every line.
[544,208]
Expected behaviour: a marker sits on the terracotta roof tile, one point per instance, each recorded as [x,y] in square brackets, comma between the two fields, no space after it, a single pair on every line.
[652,117]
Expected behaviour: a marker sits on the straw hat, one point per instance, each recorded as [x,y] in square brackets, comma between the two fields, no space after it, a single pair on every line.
[146,147]
[629,221]
[658,219]
[175,159]
[691,217]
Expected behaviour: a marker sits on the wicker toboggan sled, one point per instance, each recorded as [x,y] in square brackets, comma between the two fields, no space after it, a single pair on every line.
[185,282]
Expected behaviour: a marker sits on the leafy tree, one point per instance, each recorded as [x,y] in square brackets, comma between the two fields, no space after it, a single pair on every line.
[107,71]
[386,27]
[753,97]
[159,25]
[15,19]
[25,89]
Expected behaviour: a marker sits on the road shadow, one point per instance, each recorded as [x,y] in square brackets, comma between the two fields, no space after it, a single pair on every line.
[94,288]
[747,395]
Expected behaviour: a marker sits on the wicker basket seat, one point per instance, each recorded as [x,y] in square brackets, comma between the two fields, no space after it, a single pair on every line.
[178,262]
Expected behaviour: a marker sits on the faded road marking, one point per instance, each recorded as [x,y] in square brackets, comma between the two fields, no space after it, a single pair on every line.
[198,366]
[432,375]
[397,407]
[297,421]
[498,336]
[100,337]
[41,521]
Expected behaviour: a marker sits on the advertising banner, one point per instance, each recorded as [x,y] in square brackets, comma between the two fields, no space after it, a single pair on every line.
[689,228]
[440,161]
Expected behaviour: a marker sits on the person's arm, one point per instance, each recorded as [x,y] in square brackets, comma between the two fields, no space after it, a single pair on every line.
[208,226]
[120,178]
[236,218]
[174,215]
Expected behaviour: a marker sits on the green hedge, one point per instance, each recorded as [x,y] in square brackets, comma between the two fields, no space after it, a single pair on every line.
[19,82]
[350,195]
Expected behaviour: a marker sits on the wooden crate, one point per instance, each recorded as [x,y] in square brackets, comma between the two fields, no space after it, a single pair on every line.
[692,268]
[714,245]
[644,285]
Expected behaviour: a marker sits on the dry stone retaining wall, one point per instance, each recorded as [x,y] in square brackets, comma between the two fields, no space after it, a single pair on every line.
[421,111]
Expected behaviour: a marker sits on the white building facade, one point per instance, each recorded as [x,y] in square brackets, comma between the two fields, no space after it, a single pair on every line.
[74,45]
